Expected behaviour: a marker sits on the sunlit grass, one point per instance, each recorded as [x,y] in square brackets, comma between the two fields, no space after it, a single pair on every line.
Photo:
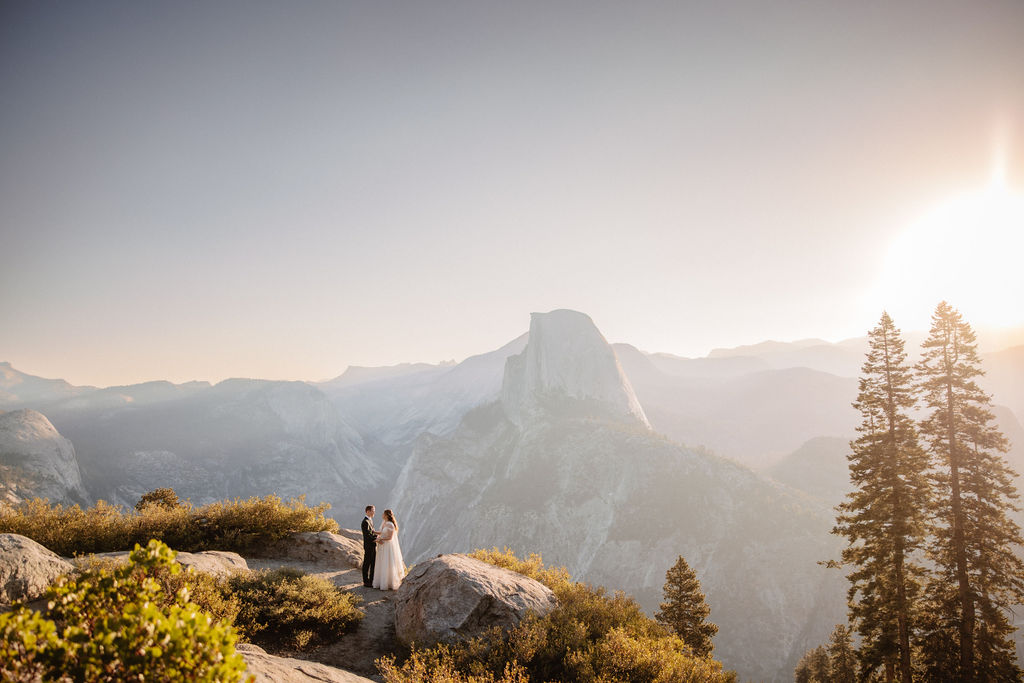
[244,526]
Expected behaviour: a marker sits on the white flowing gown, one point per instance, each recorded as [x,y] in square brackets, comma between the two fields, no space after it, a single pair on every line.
[389,569]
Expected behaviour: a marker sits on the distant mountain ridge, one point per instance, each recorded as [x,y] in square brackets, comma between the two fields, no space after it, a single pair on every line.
[18,388]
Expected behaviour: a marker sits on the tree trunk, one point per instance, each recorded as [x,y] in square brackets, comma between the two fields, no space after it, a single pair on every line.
[902,616]
[902,609]
[960,554]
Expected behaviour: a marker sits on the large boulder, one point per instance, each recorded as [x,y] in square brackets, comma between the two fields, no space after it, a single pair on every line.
[323,548]
[27,569]
[454,597]
[270,669]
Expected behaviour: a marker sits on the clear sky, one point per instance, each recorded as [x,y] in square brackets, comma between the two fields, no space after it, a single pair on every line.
[272,189]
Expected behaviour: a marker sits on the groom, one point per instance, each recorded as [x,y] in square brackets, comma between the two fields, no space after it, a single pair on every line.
[369,546]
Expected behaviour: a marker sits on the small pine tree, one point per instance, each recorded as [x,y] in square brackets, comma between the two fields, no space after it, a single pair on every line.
[841,656]
[968,636]
[684,610]
[814,667]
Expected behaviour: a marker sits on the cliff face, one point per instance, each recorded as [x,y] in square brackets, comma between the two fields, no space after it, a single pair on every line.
[36,461]
[566,360]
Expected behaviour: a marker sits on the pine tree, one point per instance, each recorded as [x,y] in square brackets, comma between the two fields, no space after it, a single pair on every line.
[802,672]
[684,611]
[841,656]
[814,667]
[977,575]
[885,517]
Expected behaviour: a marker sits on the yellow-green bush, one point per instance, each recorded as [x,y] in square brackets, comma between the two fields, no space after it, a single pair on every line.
[592,636]
[555,578]
[240,525]
[619,656]
[212,593]
[118,625]
[437,665]
[284,609]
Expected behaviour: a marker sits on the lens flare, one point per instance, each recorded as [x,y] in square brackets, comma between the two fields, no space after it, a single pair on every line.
[967,251]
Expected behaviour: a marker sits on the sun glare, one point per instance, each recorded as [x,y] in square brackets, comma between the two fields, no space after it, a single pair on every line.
[967,251]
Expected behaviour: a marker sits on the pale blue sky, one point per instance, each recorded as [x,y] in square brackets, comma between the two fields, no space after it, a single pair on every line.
[213,189]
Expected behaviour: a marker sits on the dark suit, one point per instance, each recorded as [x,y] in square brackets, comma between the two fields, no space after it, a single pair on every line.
[369,550]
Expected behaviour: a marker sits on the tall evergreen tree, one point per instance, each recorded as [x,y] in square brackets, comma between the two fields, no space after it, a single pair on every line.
[885,517]
[977,574]
[684,610]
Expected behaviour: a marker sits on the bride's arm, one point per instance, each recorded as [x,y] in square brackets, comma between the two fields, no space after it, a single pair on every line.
[387,534]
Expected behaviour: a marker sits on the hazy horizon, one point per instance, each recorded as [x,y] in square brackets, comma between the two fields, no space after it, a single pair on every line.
[990,340]
[197,191]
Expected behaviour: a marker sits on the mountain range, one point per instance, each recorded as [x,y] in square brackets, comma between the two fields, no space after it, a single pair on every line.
[606,459]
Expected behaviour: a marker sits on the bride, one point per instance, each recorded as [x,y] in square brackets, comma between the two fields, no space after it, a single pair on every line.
[390,568]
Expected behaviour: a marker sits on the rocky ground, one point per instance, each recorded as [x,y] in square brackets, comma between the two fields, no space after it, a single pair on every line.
[448,598]
[374,637]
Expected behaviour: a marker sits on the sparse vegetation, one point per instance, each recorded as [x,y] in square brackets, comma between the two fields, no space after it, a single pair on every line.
[282,611]
[244,526]
[285,609]
[437,665]
[555,578]
[591,636]
[119,624]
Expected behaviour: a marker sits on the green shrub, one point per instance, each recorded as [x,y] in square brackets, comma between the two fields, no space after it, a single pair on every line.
[239,525]
[591,636]
[285,609]
[211,593]
[118,625]
[618,656]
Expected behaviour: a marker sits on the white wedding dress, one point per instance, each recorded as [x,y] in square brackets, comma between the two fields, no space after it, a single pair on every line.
[389,569]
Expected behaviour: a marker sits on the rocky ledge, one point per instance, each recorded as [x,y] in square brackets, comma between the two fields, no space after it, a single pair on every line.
[447,599]
[267,668]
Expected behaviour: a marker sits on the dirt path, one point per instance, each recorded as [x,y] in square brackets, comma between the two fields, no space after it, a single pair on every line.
[358,650]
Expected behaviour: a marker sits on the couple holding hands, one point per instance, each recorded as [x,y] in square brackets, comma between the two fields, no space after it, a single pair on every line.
[383,567]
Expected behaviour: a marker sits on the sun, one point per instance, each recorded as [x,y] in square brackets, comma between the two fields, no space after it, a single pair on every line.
[968,251]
